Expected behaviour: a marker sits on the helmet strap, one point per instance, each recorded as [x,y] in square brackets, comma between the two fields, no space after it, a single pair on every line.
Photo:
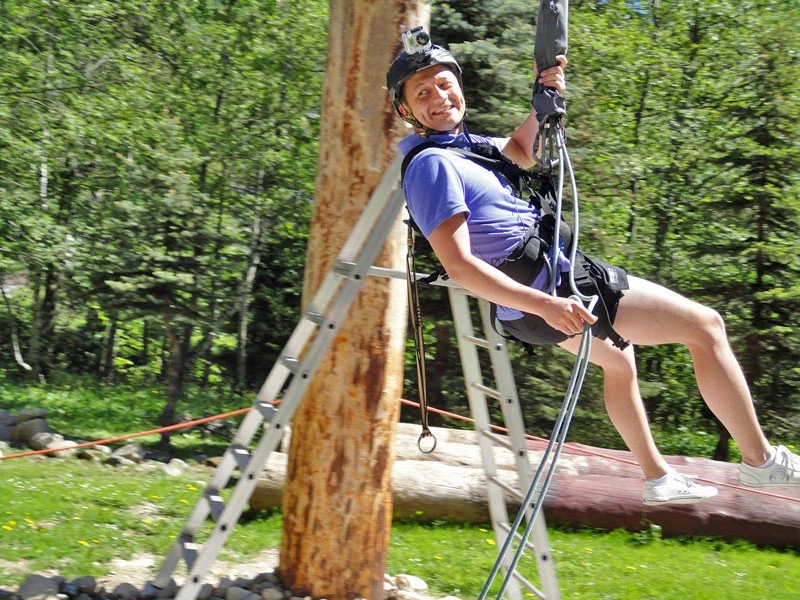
[408,116]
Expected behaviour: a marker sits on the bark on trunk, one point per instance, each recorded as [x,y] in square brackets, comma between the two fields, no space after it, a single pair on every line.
[180,343]
[244,303]
[338,499]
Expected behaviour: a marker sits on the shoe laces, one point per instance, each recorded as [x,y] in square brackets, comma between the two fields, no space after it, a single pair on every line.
[786,459]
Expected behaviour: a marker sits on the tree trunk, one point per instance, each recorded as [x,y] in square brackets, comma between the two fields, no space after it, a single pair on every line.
[13,330]
[244,303]
[338,500]
[180,343]
[109,350]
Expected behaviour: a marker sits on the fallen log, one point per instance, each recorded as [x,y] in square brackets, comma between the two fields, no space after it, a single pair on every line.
[592,487]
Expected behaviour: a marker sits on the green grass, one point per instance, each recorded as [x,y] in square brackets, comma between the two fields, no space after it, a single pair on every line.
[75,517]
[595,565]
[91,411]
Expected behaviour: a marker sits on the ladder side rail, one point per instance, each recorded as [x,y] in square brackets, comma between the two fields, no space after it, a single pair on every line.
[506,386]
[378,217]
[515,441]
[514,422]
[470,364]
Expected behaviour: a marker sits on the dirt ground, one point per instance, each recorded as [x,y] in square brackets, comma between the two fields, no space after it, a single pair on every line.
[140,569]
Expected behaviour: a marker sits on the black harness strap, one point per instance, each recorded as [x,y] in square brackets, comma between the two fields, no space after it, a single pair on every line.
[490,157]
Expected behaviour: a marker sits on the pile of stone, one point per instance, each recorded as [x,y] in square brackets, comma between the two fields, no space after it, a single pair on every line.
[266,586]
[28,429]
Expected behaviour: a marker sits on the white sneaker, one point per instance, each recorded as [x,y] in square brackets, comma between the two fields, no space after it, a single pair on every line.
[677,489]
[784,472]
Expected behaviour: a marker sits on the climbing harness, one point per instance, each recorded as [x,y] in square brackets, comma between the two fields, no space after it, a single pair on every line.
[537,491]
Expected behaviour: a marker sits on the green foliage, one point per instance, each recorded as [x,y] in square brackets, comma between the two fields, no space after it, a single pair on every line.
[152,155]
[682,124]
[152,151]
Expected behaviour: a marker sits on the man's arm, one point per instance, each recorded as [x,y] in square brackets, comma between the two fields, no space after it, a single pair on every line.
[450,242]
[519,147]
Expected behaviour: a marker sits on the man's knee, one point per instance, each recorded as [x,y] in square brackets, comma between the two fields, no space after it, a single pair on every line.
[616,363]
[711,327]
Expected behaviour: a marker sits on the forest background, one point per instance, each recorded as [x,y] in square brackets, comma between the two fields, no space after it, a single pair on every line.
[157,170]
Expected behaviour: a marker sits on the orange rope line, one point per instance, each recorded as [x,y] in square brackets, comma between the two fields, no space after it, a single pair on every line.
[132,435]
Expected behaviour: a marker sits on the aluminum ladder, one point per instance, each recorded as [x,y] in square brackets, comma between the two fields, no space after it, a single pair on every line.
[514,440]
[299,360]
[263,426]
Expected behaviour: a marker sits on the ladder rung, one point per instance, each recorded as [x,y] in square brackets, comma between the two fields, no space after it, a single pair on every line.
[487,391]
[189,553]
[267,410]
[514,492]
[499,440]
[346,269]
[528,544]
[477,341]
[241,456]
[527,584]
[215,504]
[290,363]
[317,318]
[516,574]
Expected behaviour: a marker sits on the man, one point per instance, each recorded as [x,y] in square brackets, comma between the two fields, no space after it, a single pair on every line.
[476,225]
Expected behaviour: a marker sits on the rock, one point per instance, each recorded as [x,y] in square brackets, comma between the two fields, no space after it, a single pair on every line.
[91,454]
[206,592]
[81,585]
[26,414]
[125,591]
[266,586]
[133,452]
[86,584]
[62,449]
[40,440]
[168,591]
[6,418]
[411,583]
[239,593]
[175,467]
[119,461]
[25,430]
[39,587]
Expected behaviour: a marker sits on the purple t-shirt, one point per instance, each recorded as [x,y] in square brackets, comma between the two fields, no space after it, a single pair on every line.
[439,184]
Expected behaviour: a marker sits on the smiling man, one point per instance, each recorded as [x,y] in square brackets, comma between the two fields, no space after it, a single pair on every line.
[464,193]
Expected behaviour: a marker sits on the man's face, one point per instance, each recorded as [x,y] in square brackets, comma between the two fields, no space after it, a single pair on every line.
[435,98]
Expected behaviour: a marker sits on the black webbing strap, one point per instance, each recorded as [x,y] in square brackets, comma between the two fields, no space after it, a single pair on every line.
[419,344]
[490,157]
[588,286]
